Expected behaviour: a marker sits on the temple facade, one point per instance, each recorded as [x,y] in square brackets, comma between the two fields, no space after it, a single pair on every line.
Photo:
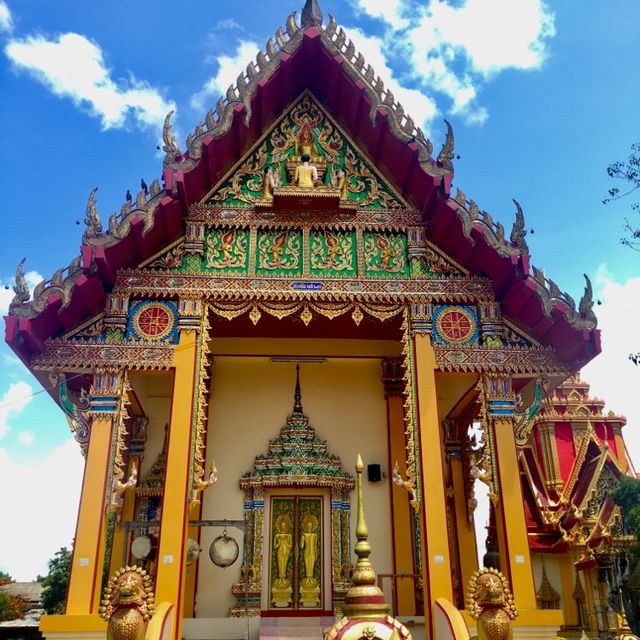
[302,285]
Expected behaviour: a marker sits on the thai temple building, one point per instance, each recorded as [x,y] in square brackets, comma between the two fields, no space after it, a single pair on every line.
[302,284]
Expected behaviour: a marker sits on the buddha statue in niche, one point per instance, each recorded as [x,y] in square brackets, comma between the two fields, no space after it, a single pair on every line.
[305,145]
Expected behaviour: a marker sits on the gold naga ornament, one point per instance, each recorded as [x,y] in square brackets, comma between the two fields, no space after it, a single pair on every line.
[489,601]
[128,604]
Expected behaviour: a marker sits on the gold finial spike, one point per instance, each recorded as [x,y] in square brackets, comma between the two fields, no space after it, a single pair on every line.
[364,598]
[297,396]
[363,573]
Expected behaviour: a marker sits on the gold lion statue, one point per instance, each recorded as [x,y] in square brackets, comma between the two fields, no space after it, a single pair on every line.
[127,604]
[490,602]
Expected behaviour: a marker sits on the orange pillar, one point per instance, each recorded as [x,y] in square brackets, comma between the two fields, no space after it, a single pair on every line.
[401,511]
[513,543]
[88,550]
[437,570]
[170,577]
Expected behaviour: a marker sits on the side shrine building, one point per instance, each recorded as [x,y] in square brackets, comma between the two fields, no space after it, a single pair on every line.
[300,286]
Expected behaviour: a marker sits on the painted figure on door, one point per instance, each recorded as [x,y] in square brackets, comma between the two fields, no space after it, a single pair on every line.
[283,543]
[309,544]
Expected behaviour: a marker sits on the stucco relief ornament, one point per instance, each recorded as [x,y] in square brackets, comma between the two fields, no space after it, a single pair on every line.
[200,485]
[409,484]
[119,487]
[127,604]
[489,601]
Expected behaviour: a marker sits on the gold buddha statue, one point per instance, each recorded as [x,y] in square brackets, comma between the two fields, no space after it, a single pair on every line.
[305,145]
[306,174]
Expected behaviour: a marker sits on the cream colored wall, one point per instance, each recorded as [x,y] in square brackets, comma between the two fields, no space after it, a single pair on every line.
[251,399]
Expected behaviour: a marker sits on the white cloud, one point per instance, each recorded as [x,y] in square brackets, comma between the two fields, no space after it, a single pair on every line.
[454,48]
[73,66]
[612,376]
[420,107]
[389,11]
[6,288]
[47,492]
[229,68]
[26,438]
[12,403]
[6,20]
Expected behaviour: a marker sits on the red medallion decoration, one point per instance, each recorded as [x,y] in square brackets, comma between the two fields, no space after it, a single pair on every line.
[455,325]
[153,321]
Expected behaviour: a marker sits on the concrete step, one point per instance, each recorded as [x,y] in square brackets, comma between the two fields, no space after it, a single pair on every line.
[294,628]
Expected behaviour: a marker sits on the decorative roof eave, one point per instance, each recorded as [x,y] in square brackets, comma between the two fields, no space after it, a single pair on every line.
[142,228]
[218,121]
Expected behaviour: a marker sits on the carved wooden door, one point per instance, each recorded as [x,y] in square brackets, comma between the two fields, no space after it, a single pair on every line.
[296,552]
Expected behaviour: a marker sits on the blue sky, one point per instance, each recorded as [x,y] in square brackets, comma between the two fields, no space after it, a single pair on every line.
[542,97]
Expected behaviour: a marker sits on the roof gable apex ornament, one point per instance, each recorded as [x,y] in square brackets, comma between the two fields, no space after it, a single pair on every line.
[311,14]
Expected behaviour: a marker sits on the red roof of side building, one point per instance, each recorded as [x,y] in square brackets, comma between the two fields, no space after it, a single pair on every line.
[324,61]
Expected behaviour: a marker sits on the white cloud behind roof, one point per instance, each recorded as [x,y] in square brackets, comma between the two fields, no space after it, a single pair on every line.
[612,376]
[229,68]
[454,49]
[72,66]
[12,403]
[6,19]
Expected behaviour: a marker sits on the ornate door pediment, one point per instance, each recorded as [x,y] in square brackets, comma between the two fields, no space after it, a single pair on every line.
[297,459]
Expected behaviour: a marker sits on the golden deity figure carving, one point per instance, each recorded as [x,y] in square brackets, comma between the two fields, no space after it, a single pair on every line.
[282,546]
[271,181]
[127,604]
[309,589]
[340,181]
[490,602]
[309,544]
[200,485]
[119,487]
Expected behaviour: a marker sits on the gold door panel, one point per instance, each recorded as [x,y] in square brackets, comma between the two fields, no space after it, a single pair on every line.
[295,566]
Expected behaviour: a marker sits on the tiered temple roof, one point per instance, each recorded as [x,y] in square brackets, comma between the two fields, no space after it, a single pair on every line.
[574,459]
[322,59]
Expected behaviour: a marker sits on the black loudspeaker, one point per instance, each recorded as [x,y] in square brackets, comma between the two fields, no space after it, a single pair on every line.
[374,473]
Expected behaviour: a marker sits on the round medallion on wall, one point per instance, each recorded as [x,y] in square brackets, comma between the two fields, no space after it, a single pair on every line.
[153,321]
[456,325]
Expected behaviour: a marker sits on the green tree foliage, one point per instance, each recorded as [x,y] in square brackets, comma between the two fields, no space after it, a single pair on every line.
[54,594]
[627,497]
